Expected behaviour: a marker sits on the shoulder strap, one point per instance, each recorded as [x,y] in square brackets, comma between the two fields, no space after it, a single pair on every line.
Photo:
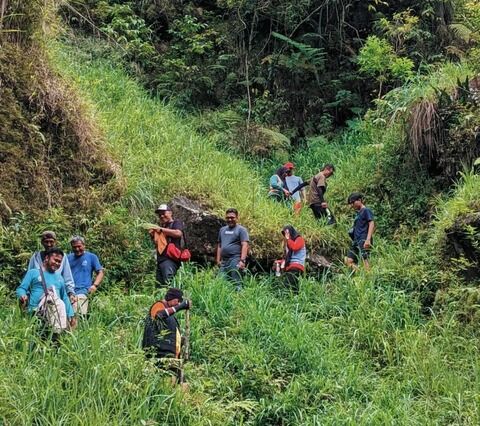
[42,277]
[183,241]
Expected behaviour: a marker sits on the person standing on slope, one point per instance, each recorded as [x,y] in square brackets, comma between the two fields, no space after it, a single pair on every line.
[49,240]
[232,249]
[169,231]
[83,264]
[318,187]
[361,233]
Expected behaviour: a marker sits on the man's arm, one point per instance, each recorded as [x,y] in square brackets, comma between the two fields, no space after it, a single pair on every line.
[368,241]
[243,254]
[23,288]
[66,300]
[99,273]
[68,277]
[172,310]
[32,264]
[98,279]
[174,233]
[218,257]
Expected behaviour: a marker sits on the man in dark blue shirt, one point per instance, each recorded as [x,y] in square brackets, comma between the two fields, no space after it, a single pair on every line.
[361,233]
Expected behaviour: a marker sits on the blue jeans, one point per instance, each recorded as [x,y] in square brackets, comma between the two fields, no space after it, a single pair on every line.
[230,271]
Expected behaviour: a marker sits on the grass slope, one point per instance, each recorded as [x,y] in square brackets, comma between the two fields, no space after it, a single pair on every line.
[346,350]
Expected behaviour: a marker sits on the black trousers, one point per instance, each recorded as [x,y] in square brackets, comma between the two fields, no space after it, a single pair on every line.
[290,279]
[166,271]
[319,212]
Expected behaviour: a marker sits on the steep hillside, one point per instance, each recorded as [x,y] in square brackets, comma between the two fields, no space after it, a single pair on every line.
[394,345]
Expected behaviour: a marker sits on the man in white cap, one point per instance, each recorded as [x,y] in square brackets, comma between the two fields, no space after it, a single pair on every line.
[169,231]
[49,241]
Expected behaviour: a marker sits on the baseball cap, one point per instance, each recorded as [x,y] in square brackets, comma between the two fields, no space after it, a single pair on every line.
[163,207]
[48,234]
[289,165]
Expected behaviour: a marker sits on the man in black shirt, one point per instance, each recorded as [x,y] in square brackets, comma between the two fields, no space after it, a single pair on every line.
[161,336]
[169,231]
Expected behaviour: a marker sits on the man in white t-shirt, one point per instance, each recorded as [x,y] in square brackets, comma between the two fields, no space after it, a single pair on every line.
[293,182]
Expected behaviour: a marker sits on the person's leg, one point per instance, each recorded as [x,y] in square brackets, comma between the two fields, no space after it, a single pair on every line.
[297,206]
[166,271]
[291,280]
[80,306]
[352,257]
[318,211]
[365,254]
[230,271]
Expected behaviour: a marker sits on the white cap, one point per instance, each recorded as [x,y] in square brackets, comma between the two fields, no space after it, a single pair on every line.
[163,207]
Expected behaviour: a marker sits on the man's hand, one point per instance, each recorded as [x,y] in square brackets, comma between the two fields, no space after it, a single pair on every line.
[324,205]
[241,264]
[73,323]
[23,299]
[92,288]
[73,298]
[286,192]
[367,244]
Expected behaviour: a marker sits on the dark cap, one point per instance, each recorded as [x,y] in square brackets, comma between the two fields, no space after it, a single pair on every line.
[355,196]
[163,208]
[48,234]
[174,293]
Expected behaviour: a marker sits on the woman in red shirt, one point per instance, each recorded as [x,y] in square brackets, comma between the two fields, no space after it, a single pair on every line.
[295,254]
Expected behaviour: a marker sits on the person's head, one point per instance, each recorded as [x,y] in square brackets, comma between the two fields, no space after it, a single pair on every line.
[231,216]
[292,231]
[174,296]
[355,199]
[48,239]
[328,170]
[289,166]
[53,259]
[282,172]
[78,245]
[165,214]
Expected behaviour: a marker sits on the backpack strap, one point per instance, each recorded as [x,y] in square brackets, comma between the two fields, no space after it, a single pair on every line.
[183,239]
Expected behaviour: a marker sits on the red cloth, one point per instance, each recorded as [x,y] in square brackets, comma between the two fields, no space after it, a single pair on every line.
[297,244]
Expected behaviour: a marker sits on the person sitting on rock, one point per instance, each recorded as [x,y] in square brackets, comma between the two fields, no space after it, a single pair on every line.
[295,254]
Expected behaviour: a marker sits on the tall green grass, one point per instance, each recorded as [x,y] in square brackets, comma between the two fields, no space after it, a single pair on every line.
[348,349]
[343,351]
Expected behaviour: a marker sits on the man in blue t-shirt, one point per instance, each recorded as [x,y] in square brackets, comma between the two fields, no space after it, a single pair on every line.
[84,264]
[31,290]
[49,240]
[232,248]
[361,233]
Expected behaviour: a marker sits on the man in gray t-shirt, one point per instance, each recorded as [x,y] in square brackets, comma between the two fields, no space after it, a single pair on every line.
[232,248]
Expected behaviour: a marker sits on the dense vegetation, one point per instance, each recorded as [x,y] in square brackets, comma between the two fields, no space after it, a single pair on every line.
[396,345]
